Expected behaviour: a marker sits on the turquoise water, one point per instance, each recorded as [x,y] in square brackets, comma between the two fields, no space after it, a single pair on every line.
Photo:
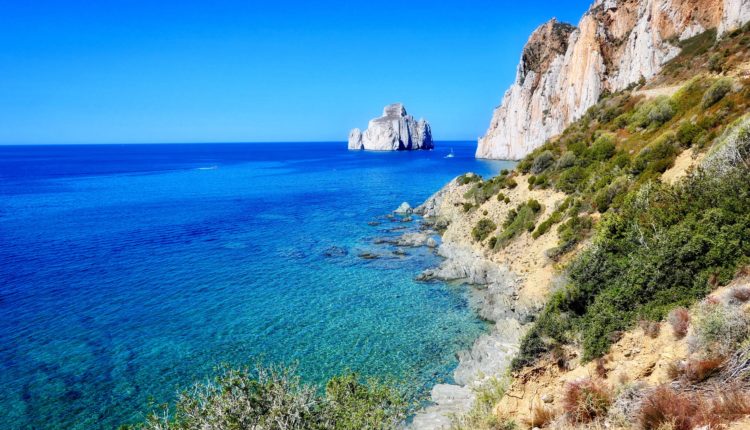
[129,271]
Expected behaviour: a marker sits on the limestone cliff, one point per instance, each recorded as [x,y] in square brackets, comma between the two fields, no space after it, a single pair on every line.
[564,69]
[394,131]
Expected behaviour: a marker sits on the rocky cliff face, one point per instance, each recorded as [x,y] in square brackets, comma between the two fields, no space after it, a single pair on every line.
[394,131]
[564,69]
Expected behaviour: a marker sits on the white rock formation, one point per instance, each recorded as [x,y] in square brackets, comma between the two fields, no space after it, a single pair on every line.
[394,131]
[564,69]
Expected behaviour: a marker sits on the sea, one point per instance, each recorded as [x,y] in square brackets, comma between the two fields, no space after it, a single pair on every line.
[130,272]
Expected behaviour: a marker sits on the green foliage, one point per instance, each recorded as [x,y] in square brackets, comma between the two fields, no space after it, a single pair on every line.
[653,113]
[484,228]
[484,190]
[603,148]
[716,92]
[570,233]
[519,219]
[467,206]
[656,157]
[554,218]
[688,133]
[468,178]
[572,180]
[542,162]
[481,416]
[273,398]
[351,404]
[718,329]
[610,194]
[657,252]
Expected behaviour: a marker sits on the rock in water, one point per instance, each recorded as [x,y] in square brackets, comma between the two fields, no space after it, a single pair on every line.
[565,69]
[404,209]
[394,131]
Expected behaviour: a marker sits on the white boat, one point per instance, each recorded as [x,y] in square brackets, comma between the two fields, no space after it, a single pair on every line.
[451,155]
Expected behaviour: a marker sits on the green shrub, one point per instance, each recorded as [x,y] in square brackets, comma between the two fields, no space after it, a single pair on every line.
[468,178]
[653,113]
[716,92]
[534,205]
[273,398]
[656,157]
[718,329]
[687,133]
[603,147]
[519,219]
[484,228]
[571,180]
[542,162]
[466,206]
[604,198]
[568,159]
[657,252]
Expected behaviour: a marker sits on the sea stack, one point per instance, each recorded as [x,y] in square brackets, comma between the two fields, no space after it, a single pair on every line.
[394,131]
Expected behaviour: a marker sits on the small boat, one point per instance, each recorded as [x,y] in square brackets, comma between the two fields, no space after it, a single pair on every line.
[451,155]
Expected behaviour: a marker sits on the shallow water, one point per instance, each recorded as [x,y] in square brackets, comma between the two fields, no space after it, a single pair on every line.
[129,271]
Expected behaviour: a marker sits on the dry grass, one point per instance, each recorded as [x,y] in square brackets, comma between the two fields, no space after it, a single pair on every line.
[679,319]
[585,400]
[699,370]
[650,328]
[686,411]
[541,416]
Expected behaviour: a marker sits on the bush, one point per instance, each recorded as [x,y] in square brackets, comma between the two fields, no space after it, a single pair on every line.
[650,328]
[603,147]
[679,319]
[655,253]
[698,370]
[568,159]
[273,398]
[484,228]
[716,92]
[542,162]
[586,400]
[653,113]
[667,408]
[468,178]
[718,330]
[519,219]
[571,180]
[656,157]
[687,133]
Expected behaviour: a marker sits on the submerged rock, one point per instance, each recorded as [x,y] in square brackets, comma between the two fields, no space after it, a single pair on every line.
[404,209]
[335,251]
[394,131]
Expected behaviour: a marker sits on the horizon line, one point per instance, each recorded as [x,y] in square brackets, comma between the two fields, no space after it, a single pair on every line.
[256,142]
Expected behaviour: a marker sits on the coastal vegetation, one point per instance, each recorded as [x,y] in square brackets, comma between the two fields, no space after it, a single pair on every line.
[274,398]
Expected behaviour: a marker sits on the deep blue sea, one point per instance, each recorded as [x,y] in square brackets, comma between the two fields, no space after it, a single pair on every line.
[130,271]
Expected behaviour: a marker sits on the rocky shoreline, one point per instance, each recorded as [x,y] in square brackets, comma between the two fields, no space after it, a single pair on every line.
[494,293]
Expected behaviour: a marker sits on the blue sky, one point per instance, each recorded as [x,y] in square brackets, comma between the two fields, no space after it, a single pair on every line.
[221,71]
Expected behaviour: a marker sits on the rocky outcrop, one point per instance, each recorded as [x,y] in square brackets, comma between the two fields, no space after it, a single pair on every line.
[565,69]
[394,131]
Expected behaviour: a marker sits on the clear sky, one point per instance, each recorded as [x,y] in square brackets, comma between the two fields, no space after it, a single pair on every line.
[220,71]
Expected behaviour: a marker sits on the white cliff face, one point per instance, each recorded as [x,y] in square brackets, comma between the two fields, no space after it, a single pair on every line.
[394,131]
[564,69]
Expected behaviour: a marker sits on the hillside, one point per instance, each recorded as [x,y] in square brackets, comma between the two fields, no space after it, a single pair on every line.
[630,233]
